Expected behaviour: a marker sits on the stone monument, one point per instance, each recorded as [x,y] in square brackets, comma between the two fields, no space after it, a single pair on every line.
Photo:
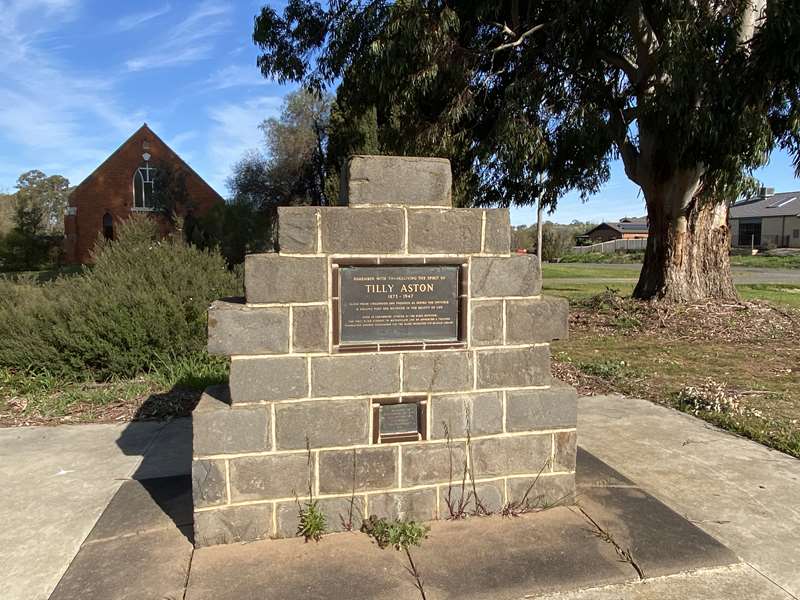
[391,343]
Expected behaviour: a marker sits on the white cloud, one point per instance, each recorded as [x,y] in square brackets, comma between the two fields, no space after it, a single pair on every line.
[235,131]
[235,76]
[189,41]
[132,21]
[45,106]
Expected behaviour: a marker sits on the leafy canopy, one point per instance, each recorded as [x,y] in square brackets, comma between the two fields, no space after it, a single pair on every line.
[512,89]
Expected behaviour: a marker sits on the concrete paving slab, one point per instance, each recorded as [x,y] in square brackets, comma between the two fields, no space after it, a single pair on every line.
[56,481]
[742,493]
[170,453]
[739,582]
[141,506]
[660,541]
[490,557]
[147,566]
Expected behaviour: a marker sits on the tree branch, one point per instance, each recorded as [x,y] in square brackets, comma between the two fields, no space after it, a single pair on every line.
[519,39]
[630,68]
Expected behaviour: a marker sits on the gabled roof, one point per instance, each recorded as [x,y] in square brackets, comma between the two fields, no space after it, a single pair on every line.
[624,227]
[146,130]
[785,204]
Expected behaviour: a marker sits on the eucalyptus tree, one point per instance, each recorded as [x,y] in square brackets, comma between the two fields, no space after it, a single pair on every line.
[692,95]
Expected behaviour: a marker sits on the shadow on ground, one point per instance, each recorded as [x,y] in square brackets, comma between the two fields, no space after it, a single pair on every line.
[141,546]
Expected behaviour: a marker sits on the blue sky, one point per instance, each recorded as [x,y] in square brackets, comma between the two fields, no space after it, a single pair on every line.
[77,77]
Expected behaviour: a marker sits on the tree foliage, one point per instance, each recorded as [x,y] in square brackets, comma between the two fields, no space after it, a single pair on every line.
[37,219]
[692,96]
[47,195]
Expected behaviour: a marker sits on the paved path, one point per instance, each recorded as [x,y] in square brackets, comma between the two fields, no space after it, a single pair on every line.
[55,483]
[740,492]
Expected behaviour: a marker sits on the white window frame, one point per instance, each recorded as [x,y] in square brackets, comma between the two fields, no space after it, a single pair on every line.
[147,174]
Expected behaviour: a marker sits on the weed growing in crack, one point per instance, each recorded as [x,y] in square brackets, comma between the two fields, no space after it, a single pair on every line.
[456,502]
[347,520]
[401,535]
[312,524]
[624,554]
[526,504]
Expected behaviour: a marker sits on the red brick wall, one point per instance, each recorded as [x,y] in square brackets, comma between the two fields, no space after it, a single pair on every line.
[110,189]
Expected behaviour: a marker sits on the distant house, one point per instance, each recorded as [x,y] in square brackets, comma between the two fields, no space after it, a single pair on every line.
[766,220]
[629,228]
[123,185]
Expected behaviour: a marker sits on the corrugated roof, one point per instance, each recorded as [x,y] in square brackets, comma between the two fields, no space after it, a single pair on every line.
[623,227]
[785,204]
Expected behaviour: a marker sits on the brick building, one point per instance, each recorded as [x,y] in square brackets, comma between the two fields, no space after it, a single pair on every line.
[122,185]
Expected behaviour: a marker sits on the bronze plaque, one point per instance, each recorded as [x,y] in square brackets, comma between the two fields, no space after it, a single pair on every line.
[398,419]
[398,304]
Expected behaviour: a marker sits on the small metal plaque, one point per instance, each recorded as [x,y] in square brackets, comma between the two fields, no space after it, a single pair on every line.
[398,304]
[399,419]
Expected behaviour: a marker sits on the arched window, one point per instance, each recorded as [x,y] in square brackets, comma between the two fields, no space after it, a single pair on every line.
[108,226]
[143,181]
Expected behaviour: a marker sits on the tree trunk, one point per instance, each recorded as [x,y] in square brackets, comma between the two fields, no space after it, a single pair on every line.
[688,251]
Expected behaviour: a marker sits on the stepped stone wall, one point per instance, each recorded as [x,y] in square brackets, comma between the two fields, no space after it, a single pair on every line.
[300,413]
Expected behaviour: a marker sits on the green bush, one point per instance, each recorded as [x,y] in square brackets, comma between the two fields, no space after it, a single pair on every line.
[142,305]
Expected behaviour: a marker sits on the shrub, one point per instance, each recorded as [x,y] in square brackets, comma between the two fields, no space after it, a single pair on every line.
[143,304]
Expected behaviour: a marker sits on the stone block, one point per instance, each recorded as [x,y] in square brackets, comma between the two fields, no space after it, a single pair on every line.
[437,371]
[355,374]
[487,323]
[310,329]
[484,411]
[497,236]
[514,367]
[208,483]
[565,447]
[495,457]
[232,525]
[490,494]
[406,180]
[341,514]
[365,468]
[433,463]
[273,278]
[269,378]
[219,428]
[539,320]
[269,477]
[515,275]
[554,408]
[297,229]
[363,231]
[445,231]
[413,505]
[323,423]
[544,492]
[235,328]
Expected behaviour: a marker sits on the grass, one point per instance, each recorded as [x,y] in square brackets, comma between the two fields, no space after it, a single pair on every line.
[608,257]
[576,271]
[629,352]
[170,389]
[758,261]
[766,262]
[623,281]
[788,295]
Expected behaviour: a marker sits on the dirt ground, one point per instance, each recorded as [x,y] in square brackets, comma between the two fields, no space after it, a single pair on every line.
[736,365]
